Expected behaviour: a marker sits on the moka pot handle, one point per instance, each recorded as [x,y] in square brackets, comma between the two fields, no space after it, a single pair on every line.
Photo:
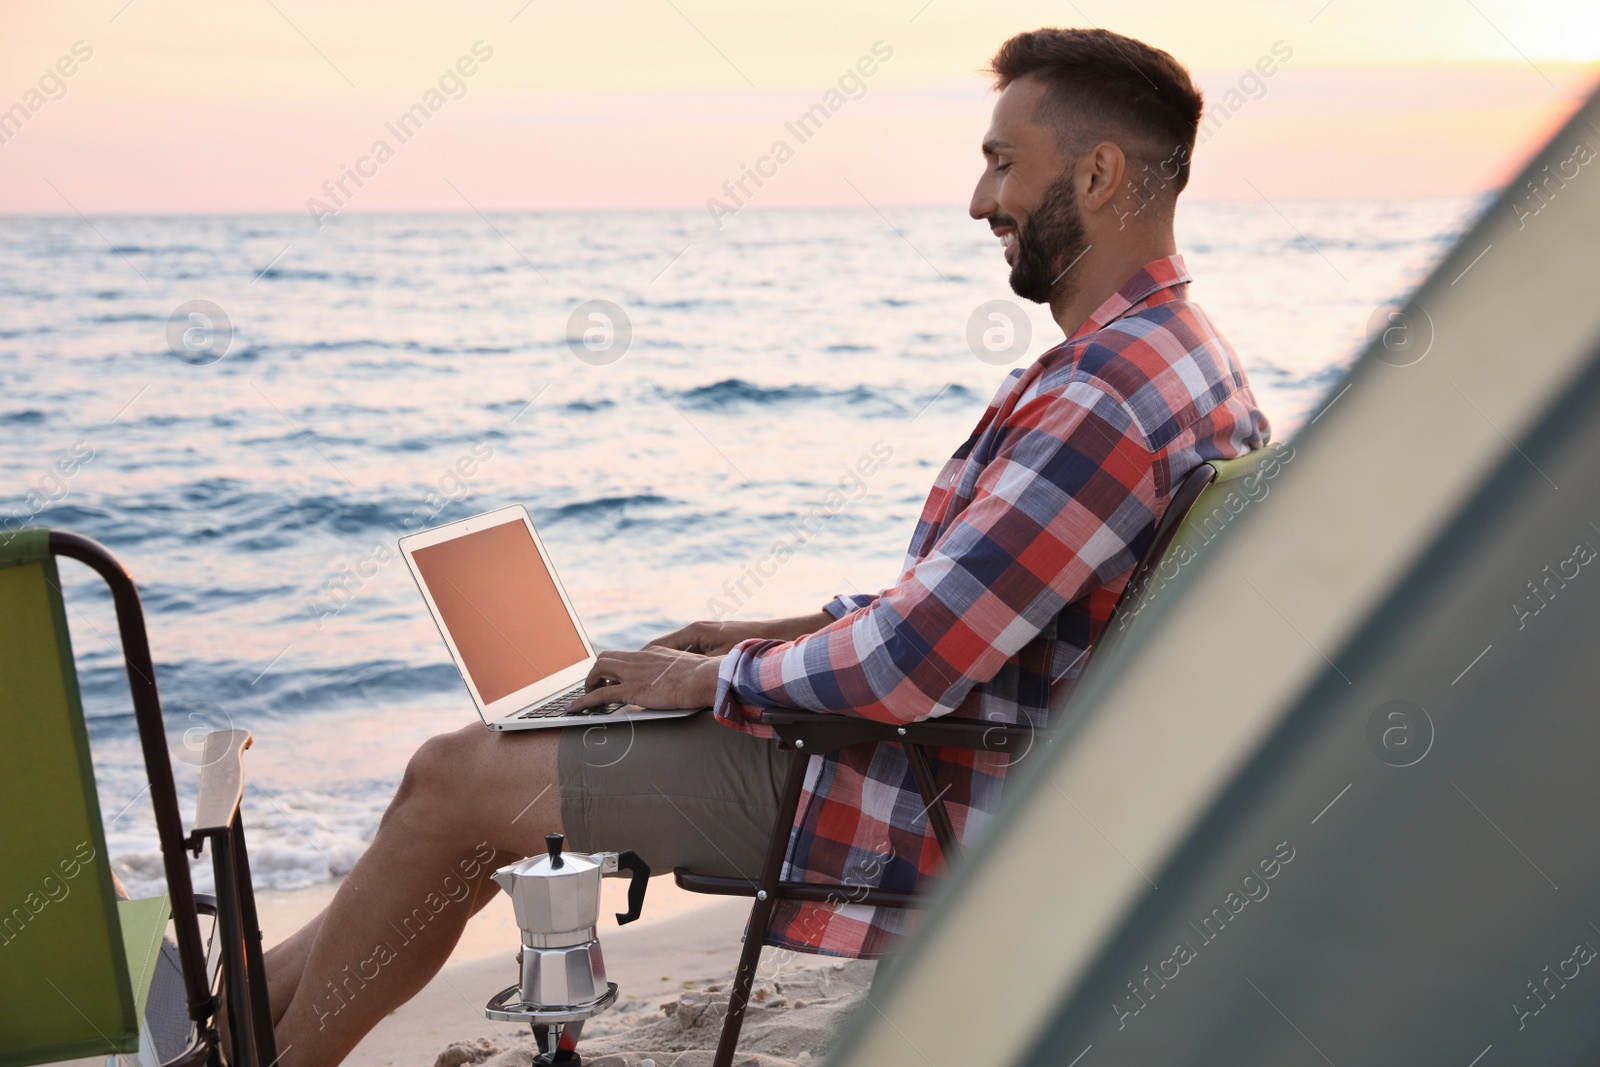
[639,871]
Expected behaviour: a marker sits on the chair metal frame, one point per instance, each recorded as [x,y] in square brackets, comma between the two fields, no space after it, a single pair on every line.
[238,964]
[811,734]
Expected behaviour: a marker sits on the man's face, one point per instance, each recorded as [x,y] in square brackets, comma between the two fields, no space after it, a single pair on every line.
[1026,195]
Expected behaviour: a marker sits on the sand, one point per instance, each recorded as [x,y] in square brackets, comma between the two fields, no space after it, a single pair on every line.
[796,1013]
[671,968]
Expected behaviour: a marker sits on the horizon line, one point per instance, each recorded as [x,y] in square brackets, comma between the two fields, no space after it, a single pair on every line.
[663,209]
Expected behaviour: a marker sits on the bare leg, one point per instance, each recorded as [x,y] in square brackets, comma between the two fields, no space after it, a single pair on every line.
[286,961]
[465,797]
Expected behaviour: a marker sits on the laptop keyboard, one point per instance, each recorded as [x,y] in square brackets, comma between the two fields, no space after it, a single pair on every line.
[557,705]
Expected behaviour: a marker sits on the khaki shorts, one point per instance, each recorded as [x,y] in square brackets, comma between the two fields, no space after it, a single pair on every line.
[686,792]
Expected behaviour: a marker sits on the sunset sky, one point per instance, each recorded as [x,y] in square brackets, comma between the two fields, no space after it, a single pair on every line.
[185,106]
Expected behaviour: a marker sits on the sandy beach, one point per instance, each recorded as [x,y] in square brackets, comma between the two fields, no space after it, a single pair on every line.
[670,967]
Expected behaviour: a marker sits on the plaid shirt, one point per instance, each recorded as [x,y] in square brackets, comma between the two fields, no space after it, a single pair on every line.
[1025,542]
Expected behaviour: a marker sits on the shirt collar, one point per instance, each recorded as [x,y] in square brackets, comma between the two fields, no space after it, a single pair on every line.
[1168,272]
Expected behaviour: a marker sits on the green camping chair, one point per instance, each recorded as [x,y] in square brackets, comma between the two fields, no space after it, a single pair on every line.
[1204,503]
[75,962]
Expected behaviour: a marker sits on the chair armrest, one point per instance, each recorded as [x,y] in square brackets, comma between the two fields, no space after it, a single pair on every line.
[820,732]
[221,784]
[816,732]
[816,892]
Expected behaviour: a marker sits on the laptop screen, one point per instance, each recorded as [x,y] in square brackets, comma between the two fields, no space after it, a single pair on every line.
[501,605]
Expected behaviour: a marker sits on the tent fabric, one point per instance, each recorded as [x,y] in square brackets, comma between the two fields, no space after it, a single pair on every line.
[1429,800]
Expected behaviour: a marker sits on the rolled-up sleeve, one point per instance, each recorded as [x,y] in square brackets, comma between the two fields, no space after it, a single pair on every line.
[845,603]
[1053,514]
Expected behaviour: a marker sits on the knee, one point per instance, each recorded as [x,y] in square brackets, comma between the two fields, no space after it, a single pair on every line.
[439,768]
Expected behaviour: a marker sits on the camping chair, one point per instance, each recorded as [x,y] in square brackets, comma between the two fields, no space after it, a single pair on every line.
[75,962]
[811,734]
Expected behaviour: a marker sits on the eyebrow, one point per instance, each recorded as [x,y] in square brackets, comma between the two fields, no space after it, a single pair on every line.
[993,146]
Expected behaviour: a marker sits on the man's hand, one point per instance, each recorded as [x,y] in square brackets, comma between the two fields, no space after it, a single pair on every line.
[718,638]
[652,678]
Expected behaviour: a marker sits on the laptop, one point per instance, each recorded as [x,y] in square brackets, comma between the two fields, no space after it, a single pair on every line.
[510,627]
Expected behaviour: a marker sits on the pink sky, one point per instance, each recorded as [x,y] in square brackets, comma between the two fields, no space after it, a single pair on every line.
[253,107]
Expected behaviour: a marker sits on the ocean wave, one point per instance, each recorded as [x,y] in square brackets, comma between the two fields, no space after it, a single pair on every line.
[731,392]
[381,344]
[298,837]
[250,519]
[684,304]
[600,404]
[208,599]
[131,316]
[165,250]
[238,514]
[603,506]
[222,692]
[90,520]
[951,391]
[246,354]
[364,684]
[294,274]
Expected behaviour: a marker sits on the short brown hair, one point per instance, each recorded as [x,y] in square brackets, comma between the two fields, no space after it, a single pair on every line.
[1104,86]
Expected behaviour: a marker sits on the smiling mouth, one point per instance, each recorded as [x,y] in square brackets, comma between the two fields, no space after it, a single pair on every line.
[1008,239]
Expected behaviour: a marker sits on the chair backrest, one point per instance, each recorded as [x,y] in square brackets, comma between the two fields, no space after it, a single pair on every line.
[64,982]
[1206,501]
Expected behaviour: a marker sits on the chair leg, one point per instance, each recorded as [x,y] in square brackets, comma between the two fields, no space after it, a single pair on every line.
[241,1033]
[761,912]
[266,1045]
[938,814]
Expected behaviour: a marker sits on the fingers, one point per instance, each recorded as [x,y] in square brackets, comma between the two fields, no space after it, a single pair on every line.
[673,640]
[647,677]
[598,674]
[606,694]
[684,639]
[615,676]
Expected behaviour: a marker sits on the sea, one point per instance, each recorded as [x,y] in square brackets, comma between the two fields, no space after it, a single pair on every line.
[251,410]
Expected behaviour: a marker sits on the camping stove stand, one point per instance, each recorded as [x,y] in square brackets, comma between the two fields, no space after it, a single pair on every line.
[556,1029]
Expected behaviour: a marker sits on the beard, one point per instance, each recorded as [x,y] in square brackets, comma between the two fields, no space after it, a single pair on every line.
[1048,245]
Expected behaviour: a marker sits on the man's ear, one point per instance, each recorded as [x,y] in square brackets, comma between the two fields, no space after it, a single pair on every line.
[1100,174]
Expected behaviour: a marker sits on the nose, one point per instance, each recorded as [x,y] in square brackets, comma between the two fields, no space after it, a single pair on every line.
[983,202]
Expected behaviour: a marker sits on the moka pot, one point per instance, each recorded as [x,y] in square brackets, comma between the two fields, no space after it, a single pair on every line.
[556,898]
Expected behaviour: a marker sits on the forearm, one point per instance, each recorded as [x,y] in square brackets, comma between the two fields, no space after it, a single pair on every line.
[713,638]
[791,628]
[909,678]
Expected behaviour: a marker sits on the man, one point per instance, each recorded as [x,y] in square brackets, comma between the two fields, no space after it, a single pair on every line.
[1027,538]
